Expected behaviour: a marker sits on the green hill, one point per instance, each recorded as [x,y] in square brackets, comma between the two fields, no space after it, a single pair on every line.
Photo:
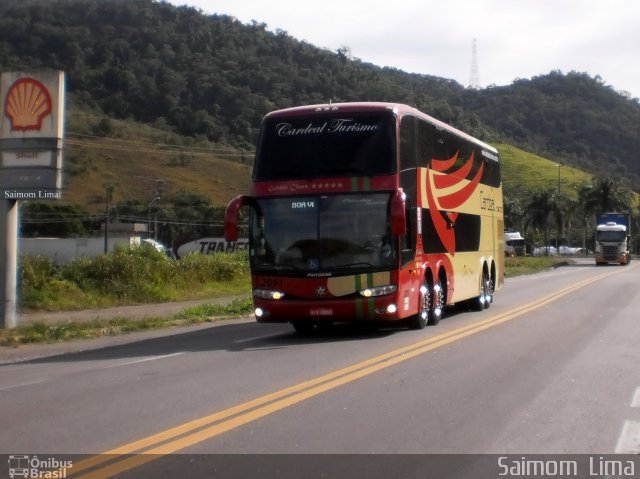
[524,172]
[210,77]
[139,161]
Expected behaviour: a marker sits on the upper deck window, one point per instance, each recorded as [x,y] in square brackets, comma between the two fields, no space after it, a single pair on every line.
[324,146]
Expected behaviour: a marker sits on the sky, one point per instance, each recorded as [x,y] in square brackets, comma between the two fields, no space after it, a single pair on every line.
[515,39]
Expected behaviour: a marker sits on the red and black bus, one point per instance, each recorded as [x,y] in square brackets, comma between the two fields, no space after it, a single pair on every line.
[370,212]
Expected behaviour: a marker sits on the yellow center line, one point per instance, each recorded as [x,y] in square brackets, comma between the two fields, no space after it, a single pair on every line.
[204,428]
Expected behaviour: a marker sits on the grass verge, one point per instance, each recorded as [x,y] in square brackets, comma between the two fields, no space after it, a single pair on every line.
[41,332]
[519,265]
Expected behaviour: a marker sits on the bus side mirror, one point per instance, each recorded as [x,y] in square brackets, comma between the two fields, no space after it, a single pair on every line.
[231,216]
[398,213]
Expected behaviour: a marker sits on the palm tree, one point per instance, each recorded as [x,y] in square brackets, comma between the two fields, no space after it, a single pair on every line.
[586,210]
[538,210]
[608,194]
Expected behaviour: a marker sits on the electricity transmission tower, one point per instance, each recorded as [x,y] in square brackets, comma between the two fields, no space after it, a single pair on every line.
[474,76]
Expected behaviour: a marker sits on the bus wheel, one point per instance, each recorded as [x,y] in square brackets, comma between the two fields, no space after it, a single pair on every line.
[431,304]
[420,320]
[437,303]
[491,288]
[484,299]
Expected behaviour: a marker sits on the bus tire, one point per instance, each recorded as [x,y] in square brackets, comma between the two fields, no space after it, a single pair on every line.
[484,298]
[437,304]
[488,290]
[420,320]
[431,304]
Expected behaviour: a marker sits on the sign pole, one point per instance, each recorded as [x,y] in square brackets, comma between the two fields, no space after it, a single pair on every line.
[8,263]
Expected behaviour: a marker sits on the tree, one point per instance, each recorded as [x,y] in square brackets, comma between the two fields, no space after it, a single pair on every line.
[541,205]
[193,216]
[53,220]
[607,194]
[585,211]
[513,214]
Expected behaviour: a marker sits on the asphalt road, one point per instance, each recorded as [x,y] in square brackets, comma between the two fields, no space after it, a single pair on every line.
[550,368]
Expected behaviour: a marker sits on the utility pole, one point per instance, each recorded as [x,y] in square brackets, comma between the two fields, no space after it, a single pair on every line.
[559,215]
[149,218]
[109,191]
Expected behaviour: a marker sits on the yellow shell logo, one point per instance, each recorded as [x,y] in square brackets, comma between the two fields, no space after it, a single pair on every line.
[27,103]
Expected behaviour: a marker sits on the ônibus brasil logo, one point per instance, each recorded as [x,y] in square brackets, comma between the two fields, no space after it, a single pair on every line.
[35,467]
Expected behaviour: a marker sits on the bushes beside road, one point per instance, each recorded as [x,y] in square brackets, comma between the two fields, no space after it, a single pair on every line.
[128,276]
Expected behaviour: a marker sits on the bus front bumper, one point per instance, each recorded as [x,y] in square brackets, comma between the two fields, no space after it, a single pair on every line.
[384,308]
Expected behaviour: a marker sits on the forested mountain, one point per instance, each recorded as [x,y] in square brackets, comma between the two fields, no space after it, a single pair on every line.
[570,117]
[210,75]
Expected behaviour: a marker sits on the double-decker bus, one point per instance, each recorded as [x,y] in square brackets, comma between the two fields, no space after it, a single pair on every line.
[370,212]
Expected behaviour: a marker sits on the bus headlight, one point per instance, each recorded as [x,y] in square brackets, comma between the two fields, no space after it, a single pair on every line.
[267,294]
[379,291]
[388,309]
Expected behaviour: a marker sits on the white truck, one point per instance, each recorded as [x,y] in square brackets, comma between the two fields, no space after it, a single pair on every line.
[613,238]
[514,243]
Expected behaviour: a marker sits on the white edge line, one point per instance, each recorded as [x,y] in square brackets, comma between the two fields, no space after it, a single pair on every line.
[635,402]
[153,358]
[144,360]
[31,383]
[629,440]
[255,338]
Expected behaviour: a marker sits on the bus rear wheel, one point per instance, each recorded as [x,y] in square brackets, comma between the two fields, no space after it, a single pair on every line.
[437,304]
[485,296]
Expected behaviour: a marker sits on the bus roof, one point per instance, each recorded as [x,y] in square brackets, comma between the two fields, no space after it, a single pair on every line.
[397,108]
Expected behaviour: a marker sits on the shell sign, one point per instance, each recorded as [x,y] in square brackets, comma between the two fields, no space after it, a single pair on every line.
[32,105]
[27,103]
[31,135]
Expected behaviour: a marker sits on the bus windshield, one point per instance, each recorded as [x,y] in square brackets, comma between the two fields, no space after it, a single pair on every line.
[324,146]
[322,233]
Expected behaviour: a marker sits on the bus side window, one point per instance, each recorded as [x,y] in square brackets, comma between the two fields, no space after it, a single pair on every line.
[408,240]
[407,143]
[431,144]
